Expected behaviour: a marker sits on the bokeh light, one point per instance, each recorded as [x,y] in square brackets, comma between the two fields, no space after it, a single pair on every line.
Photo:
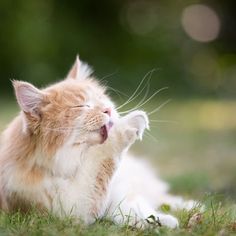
[201,23]
[141,17]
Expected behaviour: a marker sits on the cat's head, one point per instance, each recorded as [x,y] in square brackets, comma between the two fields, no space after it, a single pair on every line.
[75,110]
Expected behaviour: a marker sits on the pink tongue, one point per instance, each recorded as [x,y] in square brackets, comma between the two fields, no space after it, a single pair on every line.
[103,132]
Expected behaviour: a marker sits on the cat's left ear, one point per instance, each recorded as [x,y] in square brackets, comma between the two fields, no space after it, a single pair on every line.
[28,97]
[79,70]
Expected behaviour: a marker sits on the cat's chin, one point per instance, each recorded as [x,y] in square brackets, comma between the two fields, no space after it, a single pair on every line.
[104,131]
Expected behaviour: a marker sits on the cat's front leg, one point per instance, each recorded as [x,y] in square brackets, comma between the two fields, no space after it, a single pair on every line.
[102,160]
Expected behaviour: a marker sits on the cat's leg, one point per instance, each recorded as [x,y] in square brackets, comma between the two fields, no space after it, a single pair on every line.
[135,211]
[87,197]
[107,156]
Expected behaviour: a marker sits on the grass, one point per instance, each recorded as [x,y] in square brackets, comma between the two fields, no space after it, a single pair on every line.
[194,152]
[216,219]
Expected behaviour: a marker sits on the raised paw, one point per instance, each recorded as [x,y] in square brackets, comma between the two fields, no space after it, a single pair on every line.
[137,120]
[127,130]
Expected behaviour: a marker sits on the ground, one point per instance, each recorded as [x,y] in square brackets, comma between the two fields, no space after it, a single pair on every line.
[193,145]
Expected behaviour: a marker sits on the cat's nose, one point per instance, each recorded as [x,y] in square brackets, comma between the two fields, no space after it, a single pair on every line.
[107,111]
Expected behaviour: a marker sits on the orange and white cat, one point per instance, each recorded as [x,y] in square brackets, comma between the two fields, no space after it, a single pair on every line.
[67,153]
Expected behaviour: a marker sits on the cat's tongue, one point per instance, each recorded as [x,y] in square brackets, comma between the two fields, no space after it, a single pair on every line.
[104,131]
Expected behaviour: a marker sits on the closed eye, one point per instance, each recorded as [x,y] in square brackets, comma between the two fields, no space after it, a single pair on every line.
[81,106]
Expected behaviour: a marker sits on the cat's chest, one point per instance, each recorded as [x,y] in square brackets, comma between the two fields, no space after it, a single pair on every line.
[67,162]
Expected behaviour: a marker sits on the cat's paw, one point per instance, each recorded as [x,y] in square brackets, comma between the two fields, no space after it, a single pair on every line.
[121,137]
[137,120]
[128,129]
[167,220]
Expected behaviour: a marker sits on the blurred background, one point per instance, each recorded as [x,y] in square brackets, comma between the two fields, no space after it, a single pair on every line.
[187,46]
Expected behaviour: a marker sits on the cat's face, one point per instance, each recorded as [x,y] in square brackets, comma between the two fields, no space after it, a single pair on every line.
[74,111]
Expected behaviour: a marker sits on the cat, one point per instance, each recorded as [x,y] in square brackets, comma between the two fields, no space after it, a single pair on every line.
[67,153]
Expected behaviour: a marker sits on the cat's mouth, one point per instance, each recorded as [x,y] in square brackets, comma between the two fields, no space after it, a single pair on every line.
[104,130]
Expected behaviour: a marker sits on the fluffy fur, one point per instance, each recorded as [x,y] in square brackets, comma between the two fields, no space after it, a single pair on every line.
[67,152]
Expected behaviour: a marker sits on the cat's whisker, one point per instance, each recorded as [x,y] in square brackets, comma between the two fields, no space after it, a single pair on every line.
[60,129]
[148,134]
[118,92]
[105,82]
[159,107]
[145,95]
[142,104]
[164,121]
[107,76]
[154,127]
[64,128]
[134,95]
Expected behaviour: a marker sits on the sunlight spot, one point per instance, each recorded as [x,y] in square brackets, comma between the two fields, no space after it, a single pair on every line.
[217,115]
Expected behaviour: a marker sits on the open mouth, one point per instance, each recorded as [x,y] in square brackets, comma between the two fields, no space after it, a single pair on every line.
[104,130]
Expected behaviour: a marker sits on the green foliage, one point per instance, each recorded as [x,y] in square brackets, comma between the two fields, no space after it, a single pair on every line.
[40,39]
[189,183]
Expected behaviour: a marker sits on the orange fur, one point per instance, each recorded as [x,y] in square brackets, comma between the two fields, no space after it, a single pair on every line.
[57,110]
[107,169]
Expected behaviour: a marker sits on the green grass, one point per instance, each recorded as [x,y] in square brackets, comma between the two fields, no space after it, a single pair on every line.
[216,219]
[194,152]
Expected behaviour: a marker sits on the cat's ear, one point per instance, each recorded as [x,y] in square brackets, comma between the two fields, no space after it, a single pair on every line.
[28,97]
[79,70]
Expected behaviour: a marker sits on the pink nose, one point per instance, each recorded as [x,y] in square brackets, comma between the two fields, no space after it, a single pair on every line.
[107,111]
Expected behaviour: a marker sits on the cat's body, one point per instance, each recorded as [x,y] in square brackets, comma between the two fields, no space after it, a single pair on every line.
[67,153]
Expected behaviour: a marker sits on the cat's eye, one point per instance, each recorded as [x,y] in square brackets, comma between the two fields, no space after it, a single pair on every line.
[81,106]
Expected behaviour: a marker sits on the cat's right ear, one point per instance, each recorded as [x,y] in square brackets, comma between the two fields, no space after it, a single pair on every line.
[79,71]
[28,97]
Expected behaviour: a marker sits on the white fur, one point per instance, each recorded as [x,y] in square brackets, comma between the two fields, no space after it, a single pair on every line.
[136,192]
[80,70]
[84,71]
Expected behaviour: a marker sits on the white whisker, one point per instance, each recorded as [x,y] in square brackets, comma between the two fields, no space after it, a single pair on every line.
[140,92]
[145,95]
[151,136]
[165,121]
[153,95]
[64,129]
[118,92]
[159,107]
[134,95]
[107,76]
